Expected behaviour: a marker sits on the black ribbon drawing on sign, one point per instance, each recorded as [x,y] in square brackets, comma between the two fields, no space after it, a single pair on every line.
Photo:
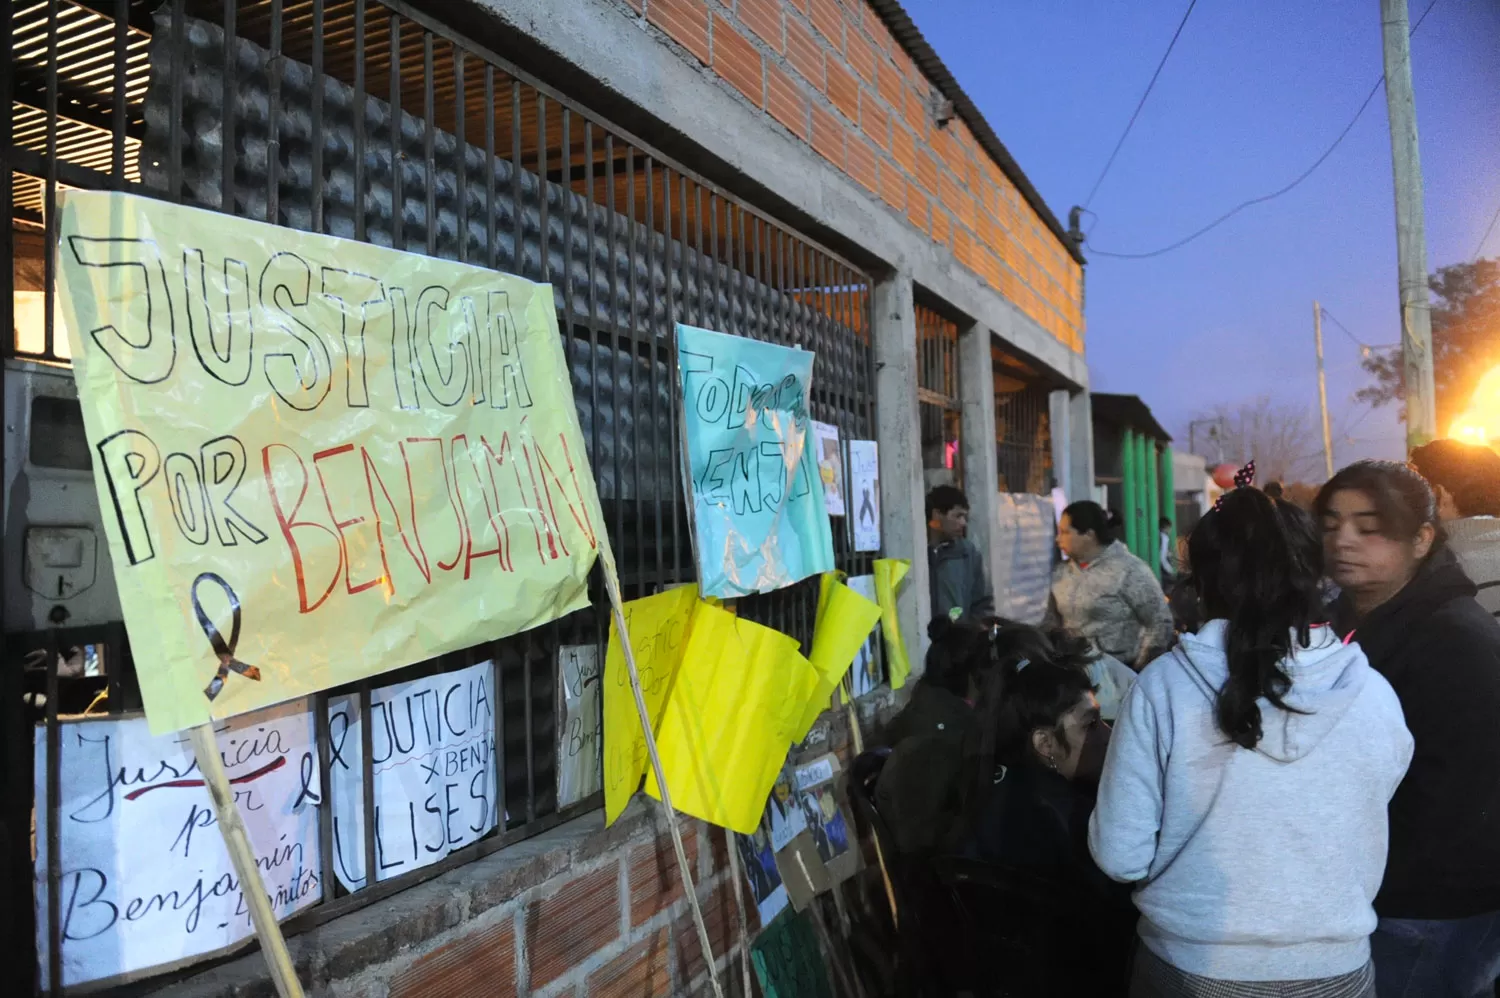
[227,662]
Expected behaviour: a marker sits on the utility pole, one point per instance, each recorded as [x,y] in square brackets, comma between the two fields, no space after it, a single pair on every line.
[1323,390]
[1411,235]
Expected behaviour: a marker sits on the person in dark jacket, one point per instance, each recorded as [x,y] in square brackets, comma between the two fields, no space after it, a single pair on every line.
[960,587]
[1408,603]
[942,700]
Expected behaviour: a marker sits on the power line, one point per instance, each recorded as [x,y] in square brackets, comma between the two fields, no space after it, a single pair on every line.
[1275,194]
[1140,104]
[1485,238]
[1364,348]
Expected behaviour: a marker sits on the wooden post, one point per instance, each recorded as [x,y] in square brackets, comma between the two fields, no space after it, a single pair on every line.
[242,855]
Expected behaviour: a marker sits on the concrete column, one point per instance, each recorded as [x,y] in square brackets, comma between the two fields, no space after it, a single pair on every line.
[976,389]
[903,516]
[1080,444]
[1060,420]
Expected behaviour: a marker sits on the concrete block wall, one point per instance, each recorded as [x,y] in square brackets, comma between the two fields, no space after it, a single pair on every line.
[830,73]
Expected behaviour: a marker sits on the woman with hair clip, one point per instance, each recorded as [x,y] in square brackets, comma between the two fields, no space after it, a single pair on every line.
[1245,790]
[1409,605]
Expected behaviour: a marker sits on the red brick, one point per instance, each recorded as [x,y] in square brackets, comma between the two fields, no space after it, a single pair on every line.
[799,4]
[482,962]
[861,56]
[764,18]
[643,971]
[916,207]
[942,225]
[654,880]
[635,5]
[829,21]
[738,60]
[804,52]
[874,120]
[685,22]
[721,918]
[904,147]
[718,851]
[892,88]
[566,928]
[843,90]
[861,164]
[892,185]
[917,113]
[828,135]
[927,171]
[785,101]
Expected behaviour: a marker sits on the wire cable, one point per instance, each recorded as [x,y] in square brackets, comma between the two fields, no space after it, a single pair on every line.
[1274,194]
[1140,104]
[1365,348]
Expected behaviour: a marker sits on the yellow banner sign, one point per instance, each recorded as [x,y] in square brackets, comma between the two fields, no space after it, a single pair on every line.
[317,459]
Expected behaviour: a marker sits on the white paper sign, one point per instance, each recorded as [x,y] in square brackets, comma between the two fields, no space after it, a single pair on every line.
[580,757]
[830,466]
[1023,574]
[433,751]
[864,677]
[864,493]
[146,880]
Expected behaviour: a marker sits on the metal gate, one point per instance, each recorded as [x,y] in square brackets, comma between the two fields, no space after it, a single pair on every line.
[372,121]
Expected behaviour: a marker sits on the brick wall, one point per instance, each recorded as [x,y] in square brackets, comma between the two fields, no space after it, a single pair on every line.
[829,72]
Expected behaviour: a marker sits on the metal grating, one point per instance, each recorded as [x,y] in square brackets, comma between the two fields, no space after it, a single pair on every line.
[445,151]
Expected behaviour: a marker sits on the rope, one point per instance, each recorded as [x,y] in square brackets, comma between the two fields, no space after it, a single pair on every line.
[612,586]
[739,904]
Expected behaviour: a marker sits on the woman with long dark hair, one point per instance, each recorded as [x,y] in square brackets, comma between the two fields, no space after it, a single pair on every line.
[942,701]
[1407,602]
[1246,784]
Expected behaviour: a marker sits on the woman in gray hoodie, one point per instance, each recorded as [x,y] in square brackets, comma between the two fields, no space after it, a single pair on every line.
[1246,785]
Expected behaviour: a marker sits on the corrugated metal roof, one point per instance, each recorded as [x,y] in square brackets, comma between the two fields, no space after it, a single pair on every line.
[902,27]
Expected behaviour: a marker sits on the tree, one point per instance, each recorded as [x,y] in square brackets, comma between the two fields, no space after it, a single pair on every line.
[1280,438]
[1465,340]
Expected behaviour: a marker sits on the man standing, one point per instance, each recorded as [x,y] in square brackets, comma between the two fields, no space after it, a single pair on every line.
[960,587]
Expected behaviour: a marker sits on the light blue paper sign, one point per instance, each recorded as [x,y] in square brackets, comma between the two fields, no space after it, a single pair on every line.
[759,519]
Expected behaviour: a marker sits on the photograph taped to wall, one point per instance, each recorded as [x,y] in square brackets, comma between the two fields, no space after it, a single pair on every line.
[580,733]
[830,466]
[864,493]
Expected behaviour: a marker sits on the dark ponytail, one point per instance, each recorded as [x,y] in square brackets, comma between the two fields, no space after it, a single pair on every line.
[1256,563]
[960,652]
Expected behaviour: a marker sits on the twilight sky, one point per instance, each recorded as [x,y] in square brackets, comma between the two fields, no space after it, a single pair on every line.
[1252,95]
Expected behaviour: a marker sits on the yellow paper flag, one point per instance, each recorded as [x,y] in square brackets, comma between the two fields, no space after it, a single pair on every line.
[844,621]
[727,724]
[888,575]
[658,626]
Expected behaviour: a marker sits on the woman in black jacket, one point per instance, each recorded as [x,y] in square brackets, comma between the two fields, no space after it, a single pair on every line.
[942,700]
[1412,609]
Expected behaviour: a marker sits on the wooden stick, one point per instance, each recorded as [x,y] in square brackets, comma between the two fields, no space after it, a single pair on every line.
[242,854]
[859,749]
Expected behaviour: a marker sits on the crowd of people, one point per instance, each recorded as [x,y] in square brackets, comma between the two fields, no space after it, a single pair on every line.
[1283,780]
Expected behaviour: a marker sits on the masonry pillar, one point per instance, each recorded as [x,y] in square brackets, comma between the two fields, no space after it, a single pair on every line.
[1060,421]
[903,521]
[1080,444]
[976,391]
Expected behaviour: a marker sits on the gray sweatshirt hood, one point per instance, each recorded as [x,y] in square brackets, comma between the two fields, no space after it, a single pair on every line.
[1327,678]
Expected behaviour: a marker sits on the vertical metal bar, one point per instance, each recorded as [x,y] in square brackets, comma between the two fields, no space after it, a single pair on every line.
[497,734]
[228,102]
[461,161]
[118,120]
[49,204]
[360,102]
[174,154]
[318,80]
[429,138]
[530,733]
[614,344]
[518,250]
[54,751]
[746,329]
[713,258]
[7,212]
[593,324]
[565,202]
[398,153]
[655,340]
[325,795]
[544,236]
[632,331]
[698,260]
[668,267]
[367,783]
[273,141]
[489,178]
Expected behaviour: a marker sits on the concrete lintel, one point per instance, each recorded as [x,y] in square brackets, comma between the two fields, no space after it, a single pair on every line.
[638,65]
[903,515]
